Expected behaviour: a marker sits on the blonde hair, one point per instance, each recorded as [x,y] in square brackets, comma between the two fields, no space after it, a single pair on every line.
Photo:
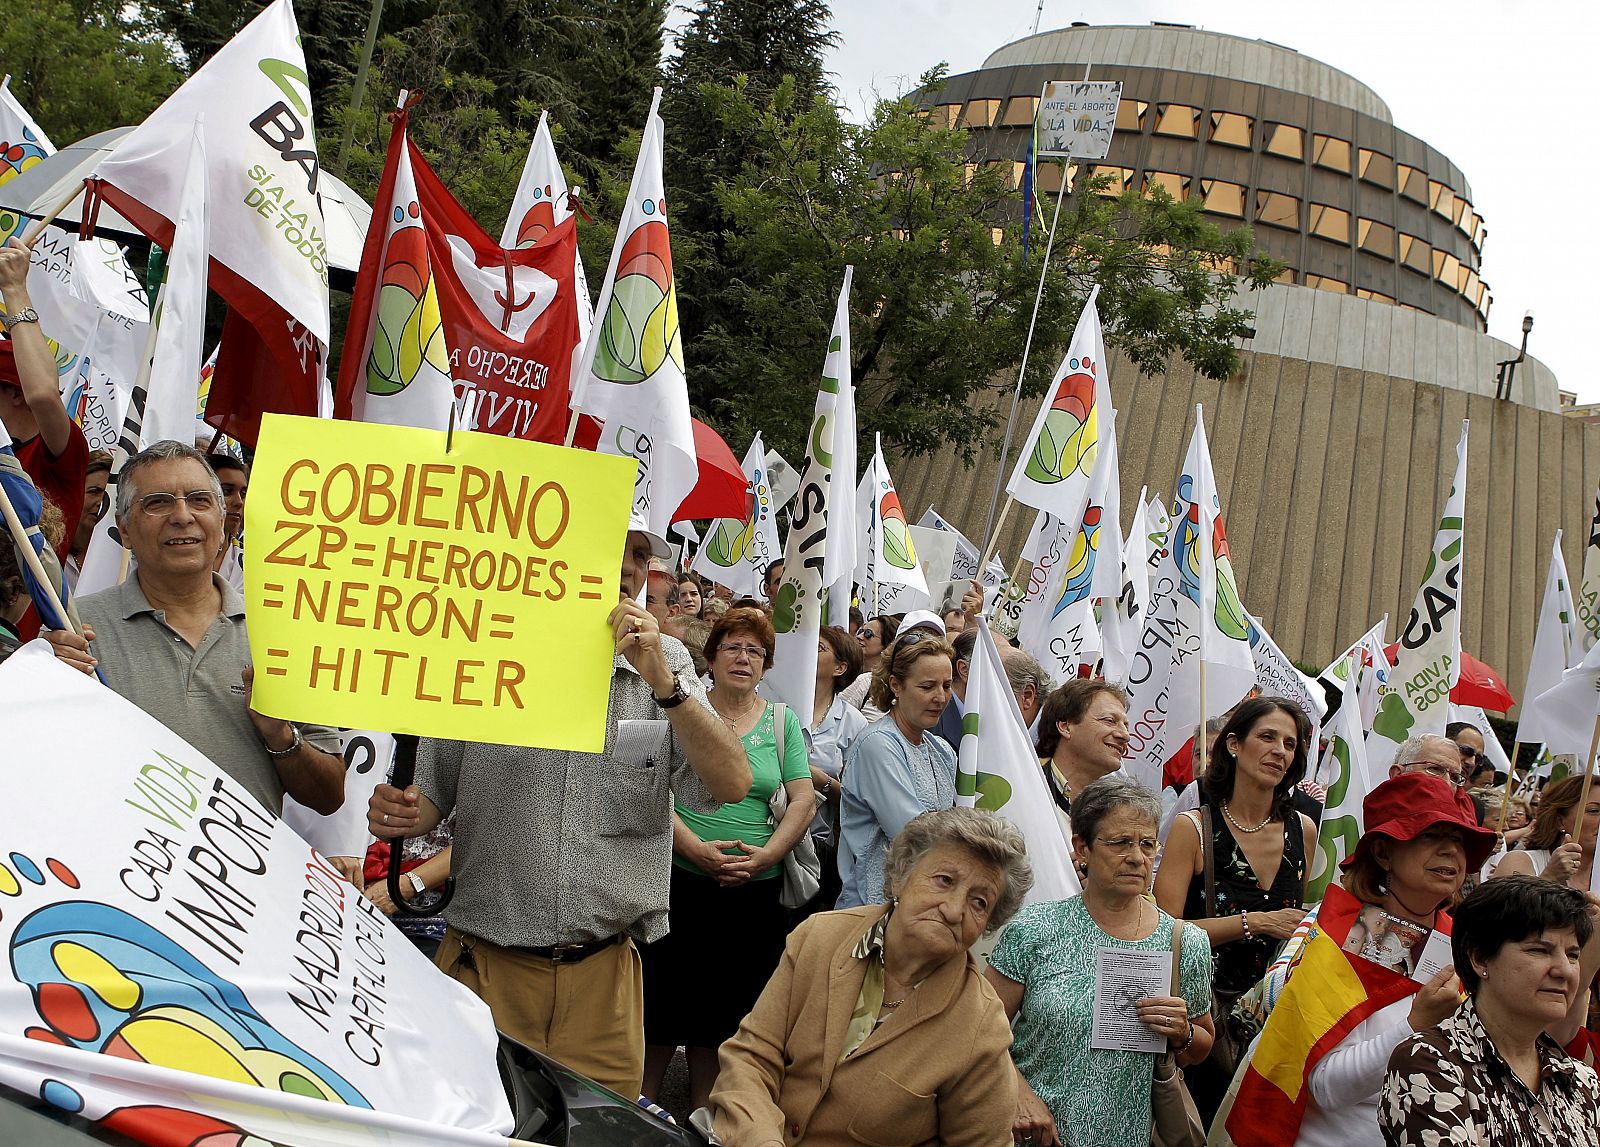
[898,659]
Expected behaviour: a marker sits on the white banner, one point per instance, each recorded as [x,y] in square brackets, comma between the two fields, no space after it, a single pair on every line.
[158,915]
[737,551]
[1077,118]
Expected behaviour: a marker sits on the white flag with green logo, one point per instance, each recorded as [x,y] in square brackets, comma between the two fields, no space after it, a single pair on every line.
[1588,601]
[1428,661]
[1557,645]
[1344,770]
[737,551]
[1372,673]
[998,769]
[800,609]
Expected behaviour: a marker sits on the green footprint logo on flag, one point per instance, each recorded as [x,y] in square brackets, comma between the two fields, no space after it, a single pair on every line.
[1394,719]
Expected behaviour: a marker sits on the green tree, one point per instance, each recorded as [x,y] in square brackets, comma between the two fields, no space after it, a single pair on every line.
[942,298]
[83,66]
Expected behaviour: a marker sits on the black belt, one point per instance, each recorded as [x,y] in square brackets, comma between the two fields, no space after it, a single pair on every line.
[573,953]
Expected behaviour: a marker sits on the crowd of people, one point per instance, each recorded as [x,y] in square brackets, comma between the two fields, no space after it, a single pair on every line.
[612,908]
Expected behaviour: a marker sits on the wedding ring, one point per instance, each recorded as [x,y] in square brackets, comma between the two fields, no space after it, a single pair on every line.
[385,818]
[633,625]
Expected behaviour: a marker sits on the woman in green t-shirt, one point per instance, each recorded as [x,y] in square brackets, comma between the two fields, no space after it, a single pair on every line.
[726,917]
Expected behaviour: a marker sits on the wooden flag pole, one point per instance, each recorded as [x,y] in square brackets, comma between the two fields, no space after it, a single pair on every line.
[19,535]
[1588,779]
[1511,776]
[1205,748]
[49,217]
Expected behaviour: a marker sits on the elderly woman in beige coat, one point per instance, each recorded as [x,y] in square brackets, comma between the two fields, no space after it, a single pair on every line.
[878,1026]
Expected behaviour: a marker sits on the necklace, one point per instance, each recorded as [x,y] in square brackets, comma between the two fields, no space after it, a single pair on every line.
[1138,922]
[733,723]
[1241,827]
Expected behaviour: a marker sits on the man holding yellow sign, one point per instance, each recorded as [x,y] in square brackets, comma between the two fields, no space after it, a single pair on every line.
[473,594]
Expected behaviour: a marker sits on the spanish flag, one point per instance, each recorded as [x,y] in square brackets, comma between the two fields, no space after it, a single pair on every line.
[1328,994]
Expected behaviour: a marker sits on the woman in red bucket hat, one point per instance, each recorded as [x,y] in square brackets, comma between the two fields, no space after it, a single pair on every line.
[1357,982]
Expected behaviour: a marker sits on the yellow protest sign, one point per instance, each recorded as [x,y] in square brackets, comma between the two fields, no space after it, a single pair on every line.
[391,585]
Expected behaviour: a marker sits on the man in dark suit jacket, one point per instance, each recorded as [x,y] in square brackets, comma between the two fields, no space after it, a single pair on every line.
[949,726]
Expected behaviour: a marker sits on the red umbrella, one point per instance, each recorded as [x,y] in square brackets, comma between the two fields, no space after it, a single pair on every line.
[723,490]
[1479,684]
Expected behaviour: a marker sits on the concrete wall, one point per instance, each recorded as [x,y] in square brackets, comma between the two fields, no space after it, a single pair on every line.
[1332,480]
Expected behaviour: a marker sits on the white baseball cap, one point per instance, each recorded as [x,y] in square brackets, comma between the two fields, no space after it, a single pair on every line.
[922,617]
[658,544]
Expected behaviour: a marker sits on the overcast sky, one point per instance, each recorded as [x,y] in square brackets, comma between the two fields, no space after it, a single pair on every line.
[1505,90]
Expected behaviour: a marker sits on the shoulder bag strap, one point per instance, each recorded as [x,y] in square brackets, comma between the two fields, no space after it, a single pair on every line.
[779,720]
[1208,846]
[1177,957]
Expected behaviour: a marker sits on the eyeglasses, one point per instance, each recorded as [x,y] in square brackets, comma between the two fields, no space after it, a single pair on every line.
[162,505]
[749,652]
[1124,845]
[1468,753]
[866,633]
[1444,773]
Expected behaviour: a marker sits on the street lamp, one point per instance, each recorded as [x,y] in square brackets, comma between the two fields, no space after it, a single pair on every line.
[1508,367]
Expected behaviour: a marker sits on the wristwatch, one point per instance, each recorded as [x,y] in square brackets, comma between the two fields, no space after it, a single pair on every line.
[25,315]
[677,697]
[292,746]
[417,886]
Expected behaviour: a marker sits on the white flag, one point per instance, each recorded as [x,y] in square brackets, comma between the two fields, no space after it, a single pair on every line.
[1120,634]
[1278,677]
[23,143]
[1428,660]
[542,203]
[181,324]
[738,551]
[1059,626]
[265,225]
[1053,471]
[1479,720]
[1344,770]
[632,374]
[965,566]
[1588,599]
[839,561]
[888,556]
[407,377]
[800,609]
[1565,714]
[1372,673]
[182,960]
[1557,644]
[1194,614]
[998,769]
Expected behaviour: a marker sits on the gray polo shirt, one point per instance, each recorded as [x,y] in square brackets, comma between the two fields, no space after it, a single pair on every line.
[556,847]
[197,693]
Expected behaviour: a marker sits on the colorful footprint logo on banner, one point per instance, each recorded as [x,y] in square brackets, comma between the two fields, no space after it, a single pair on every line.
[105,981]
[1067,439]
[640,330]
[1230,615]
[409,333]
[728,541]
[898,549]
[15,158]
[1080,566]
[539,220]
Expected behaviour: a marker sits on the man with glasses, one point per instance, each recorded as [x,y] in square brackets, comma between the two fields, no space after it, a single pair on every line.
[1469,739]
[171,638]
[1432,754]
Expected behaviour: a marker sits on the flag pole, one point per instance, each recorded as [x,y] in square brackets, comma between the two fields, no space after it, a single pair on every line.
[1588,779]
[49,217]
[989,526]
[1205,748]
[1511,776]
[19,535]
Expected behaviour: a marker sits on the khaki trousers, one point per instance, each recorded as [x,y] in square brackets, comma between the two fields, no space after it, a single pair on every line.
[589,1015]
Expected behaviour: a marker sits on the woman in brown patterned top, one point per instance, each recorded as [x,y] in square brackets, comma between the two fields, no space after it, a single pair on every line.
[1491,1074]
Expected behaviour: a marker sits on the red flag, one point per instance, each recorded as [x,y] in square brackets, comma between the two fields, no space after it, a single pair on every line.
[510,317]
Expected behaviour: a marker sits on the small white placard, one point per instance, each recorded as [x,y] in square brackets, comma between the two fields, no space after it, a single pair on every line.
[640,743]
[1436,957]
[1123,977]
[1077,118]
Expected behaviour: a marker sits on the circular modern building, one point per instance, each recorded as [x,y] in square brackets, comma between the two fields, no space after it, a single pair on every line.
[1335,442]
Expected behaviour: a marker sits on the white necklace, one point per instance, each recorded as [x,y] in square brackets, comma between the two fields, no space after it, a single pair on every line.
[1241,827]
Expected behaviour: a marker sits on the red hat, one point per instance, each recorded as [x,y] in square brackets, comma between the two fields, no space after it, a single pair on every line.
[8,364]
[1405,807]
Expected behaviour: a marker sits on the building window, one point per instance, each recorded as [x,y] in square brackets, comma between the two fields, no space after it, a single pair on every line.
[1177,119]
[1286,276]
[1330,152]
[1411,183]
[1278,209]
[1375,167]
[1223,198]
[1324,283]
[1231,128]
[1018,169]
[1171,182]
[997,235]
[1130,115]
[1416,254]
[1284,139]
[1447,269]
[1046,176]
[1021,111]
[1441,199]
[1375,237]
[1330,222]
[944,115]
[1459,211]
[1375,296]
[1121,178]
[980,113]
